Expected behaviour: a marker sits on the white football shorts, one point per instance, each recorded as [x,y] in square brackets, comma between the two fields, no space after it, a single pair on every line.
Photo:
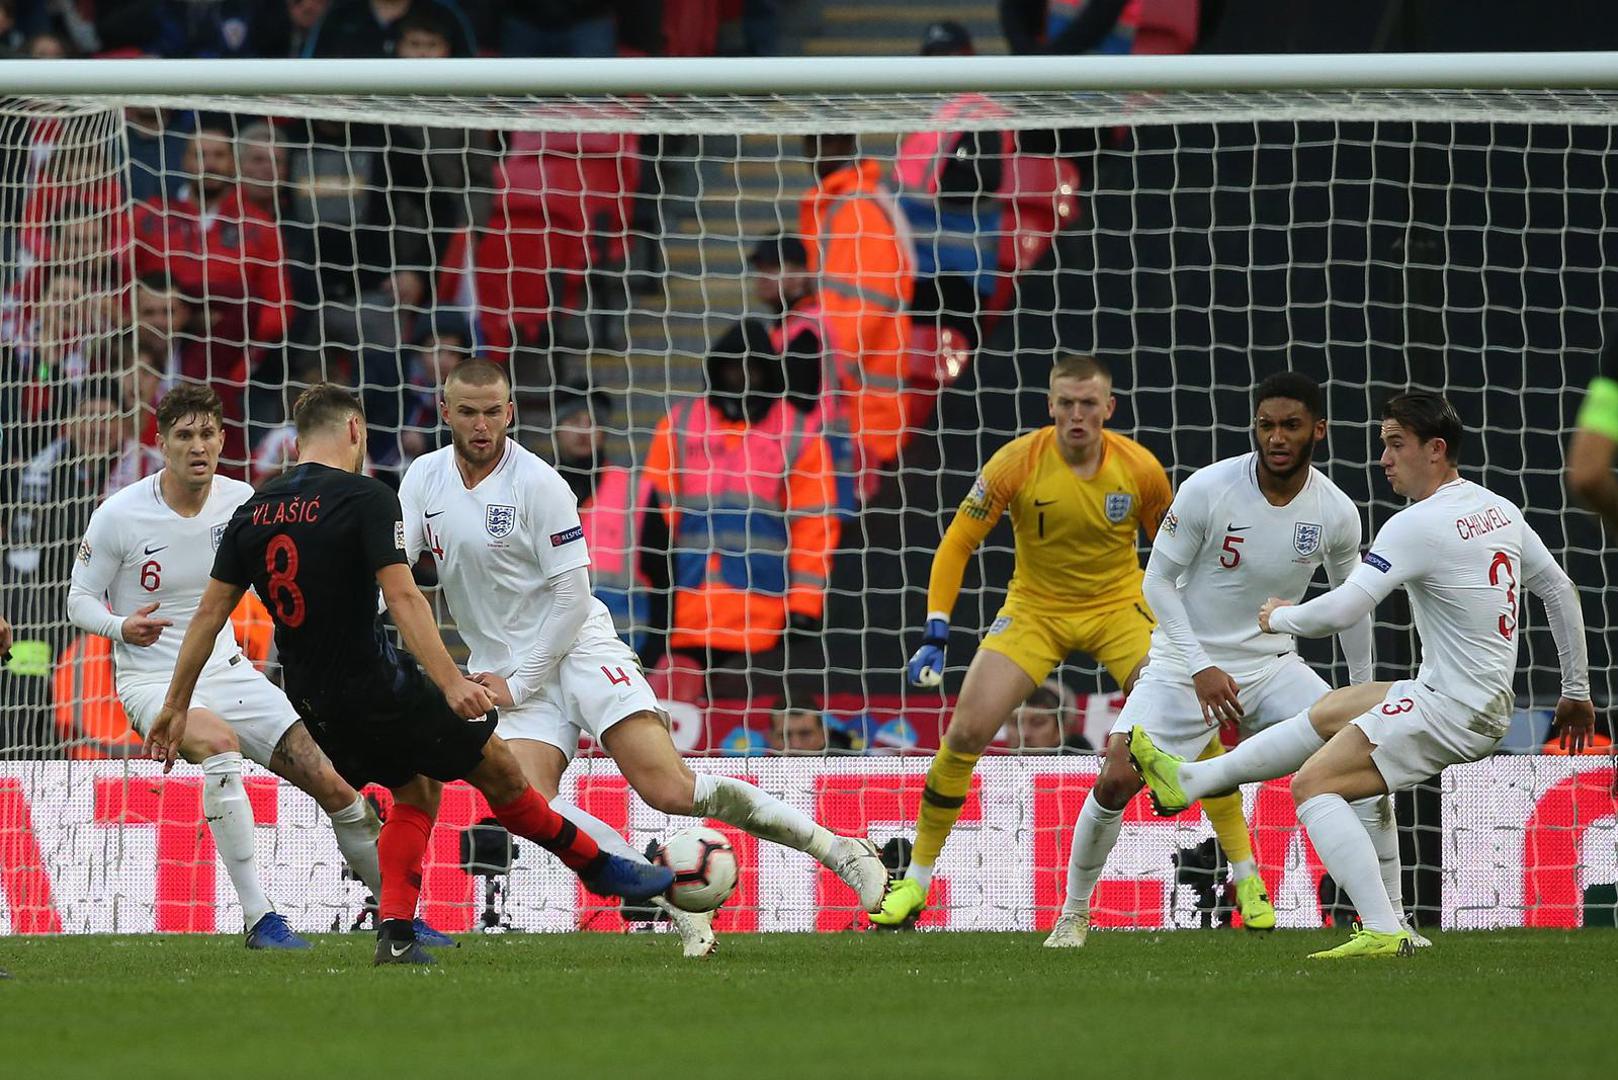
[1165,704]
[597,684]
[1416,732]
[251,704]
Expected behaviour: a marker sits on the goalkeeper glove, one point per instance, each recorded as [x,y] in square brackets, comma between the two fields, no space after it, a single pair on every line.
[926,668]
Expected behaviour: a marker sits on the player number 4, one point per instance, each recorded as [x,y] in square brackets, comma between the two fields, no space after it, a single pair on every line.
[617,676]
[1232,548]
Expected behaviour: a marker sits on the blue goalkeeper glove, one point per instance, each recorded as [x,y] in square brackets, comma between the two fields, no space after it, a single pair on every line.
[926,668]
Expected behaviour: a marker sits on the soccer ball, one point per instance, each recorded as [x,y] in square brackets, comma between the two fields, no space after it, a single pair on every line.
[704,868]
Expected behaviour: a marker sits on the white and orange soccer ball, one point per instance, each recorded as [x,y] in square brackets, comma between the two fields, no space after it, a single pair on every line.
[704,866]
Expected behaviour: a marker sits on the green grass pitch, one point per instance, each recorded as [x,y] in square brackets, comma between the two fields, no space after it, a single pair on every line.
[846,1007]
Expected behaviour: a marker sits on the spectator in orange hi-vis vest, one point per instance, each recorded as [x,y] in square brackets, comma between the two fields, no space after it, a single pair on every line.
[89,717]
[628,545]
[745,483]
[859,245]
[253,628]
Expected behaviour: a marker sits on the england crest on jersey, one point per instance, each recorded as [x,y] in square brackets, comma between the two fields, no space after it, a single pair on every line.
[216,534]
[499,520]
[1306,538]
[1118,505]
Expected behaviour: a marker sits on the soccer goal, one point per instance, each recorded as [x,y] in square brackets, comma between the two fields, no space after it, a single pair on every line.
[1377,222]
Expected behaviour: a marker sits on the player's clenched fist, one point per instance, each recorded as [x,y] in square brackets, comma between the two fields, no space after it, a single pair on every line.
[926,668]
[1271,606]
[498,687]
[470,700]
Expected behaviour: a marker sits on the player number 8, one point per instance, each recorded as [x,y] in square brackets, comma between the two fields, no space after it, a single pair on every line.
[285,596]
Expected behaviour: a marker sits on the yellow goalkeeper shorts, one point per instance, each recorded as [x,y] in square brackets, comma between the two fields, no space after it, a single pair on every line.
[1116,637]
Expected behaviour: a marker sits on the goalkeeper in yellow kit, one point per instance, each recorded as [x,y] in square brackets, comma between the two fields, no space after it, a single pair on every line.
[1078,496]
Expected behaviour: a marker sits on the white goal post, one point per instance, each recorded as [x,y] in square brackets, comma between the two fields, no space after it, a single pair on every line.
[1375,221]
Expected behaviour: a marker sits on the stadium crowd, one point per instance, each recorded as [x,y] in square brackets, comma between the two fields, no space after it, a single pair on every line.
[267,253]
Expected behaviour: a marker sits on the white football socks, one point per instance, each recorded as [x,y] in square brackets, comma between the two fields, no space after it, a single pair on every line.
[1278,750]
[356,828]
[1376,814]
[1242,869]
[738,803]
[1094,835]
[1350,857]
[230,819]
[606,837]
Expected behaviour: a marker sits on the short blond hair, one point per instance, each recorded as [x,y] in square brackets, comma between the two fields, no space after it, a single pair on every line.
[1080,366]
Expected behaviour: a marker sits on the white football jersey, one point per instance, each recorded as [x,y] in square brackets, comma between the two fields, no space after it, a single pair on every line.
[137,550]
[1462,554]
[497,546]
[1239,550]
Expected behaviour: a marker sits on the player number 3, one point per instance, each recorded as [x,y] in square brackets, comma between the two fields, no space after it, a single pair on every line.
[1500,570]
[285,596]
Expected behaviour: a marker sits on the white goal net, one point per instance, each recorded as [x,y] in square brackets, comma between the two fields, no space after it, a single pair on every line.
[919,260]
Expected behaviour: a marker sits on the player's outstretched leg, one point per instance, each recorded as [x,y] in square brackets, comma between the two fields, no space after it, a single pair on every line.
[1278,750]
[641,746]
[1344,770]
[400,850]
[354,824]
[211,743]
[525,813]
[995,685]
[1095,833]
[1229,821]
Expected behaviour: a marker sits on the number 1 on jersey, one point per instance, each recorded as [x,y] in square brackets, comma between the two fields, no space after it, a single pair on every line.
[285,599]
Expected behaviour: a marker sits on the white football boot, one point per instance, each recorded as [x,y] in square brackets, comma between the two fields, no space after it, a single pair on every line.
[1417,938]
[695,929]
[1071,928]
[855,860]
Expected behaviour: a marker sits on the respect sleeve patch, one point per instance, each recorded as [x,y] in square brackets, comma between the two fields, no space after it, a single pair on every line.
[1373,559]
[567,536]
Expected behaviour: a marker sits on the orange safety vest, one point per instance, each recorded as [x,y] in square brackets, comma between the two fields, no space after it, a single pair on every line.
[751,523]
[858,243]
[86,694]
[254,629]
[611,520]
[806,316]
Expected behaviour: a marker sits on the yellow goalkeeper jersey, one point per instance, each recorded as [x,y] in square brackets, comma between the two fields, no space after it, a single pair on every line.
[1075,539]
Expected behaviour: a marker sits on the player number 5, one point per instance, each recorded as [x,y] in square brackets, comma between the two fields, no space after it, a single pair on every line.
[1233,549]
